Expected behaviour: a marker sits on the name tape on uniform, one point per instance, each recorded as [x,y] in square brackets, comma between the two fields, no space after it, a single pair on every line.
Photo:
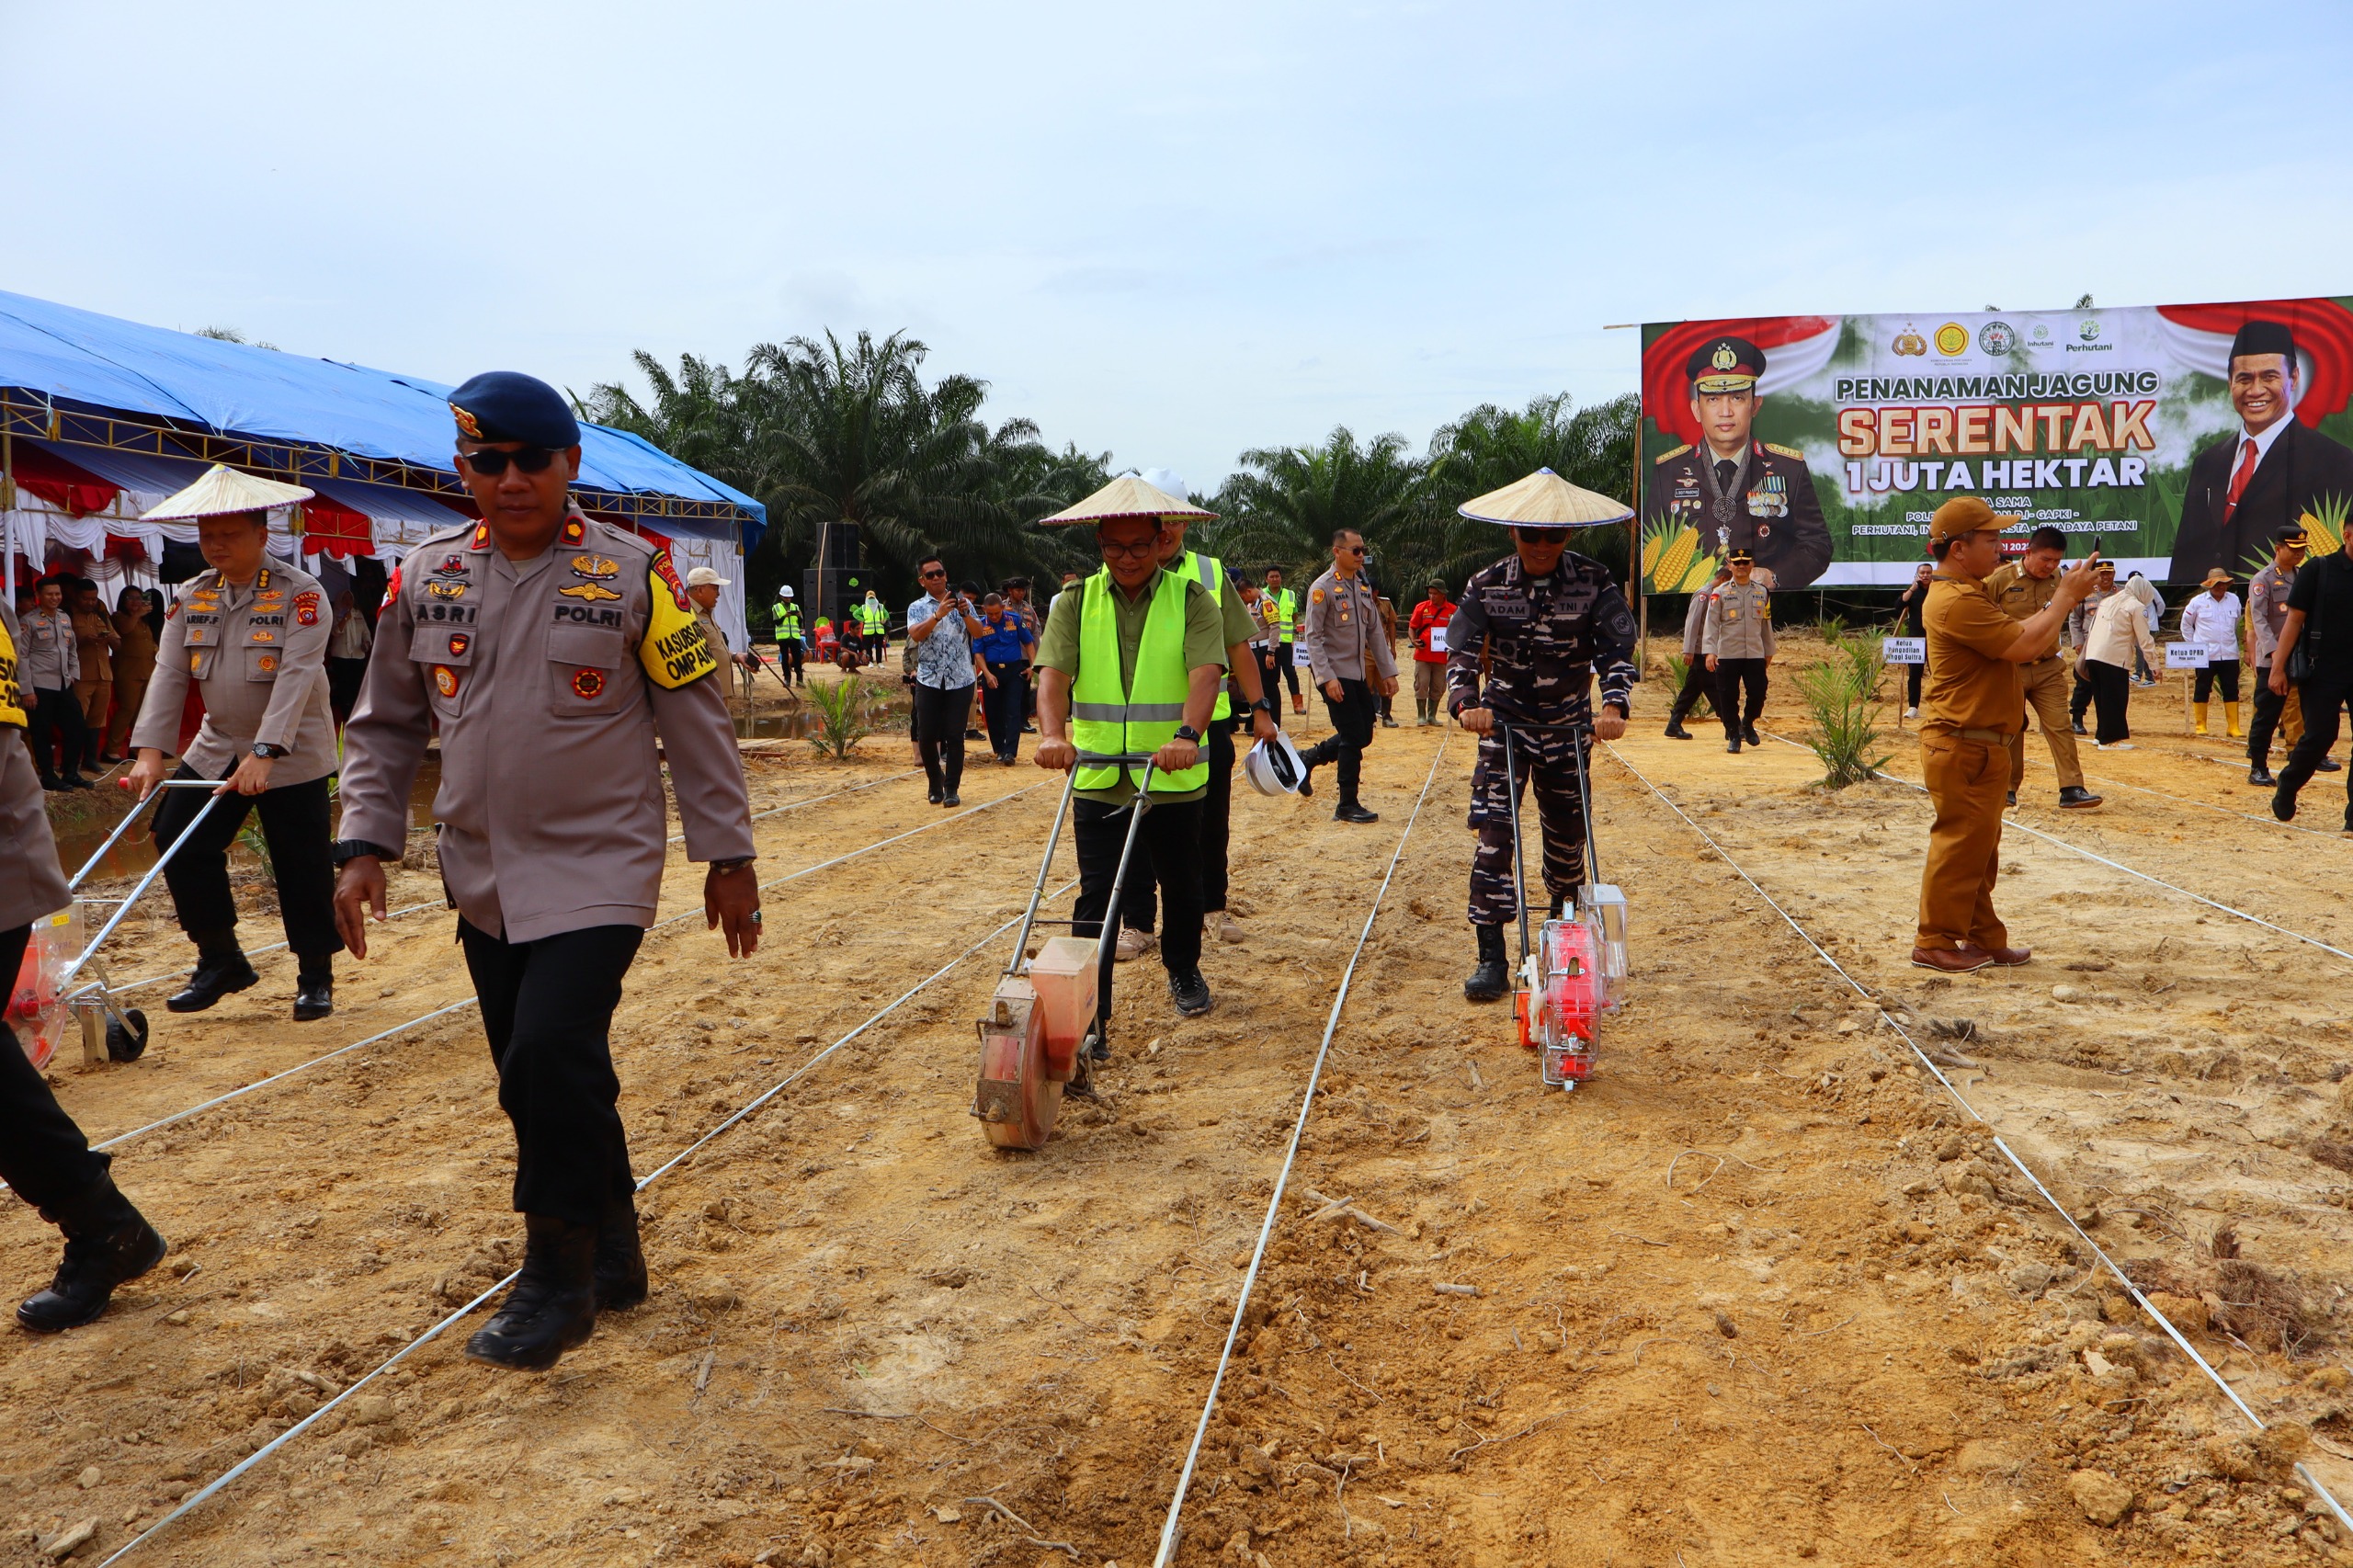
[1903,650]
[2188,655]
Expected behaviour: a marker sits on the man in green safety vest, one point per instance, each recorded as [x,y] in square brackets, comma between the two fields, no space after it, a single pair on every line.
[1130,664]
[1217,807]
[789,645]
[874,624]
[1282,613]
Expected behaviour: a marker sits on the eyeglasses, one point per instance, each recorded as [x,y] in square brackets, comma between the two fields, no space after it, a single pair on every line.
[1542,536]
[1136,552]
[491,465]
[936,572]
[1352,549]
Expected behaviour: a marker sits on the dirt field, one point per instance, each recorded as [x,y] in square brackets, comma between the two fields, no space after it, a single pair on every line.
[1758,1293]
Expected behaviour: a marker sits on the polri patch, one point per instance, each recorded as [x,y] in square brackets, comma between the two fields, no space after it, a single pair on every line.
[588,685]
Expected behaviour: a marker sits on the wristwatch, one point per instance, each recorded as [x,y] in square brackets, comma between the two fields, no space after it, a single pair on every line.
[344,849]
[1267,705]
[1189,734]
[266,749]
[733,863]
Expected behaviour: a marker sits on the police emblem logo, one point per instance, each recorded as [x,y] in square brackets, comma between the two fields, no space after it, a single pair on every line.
[597,566]
[591,592]
[588,685]
[306,607]
[445,590]
[1909,341]
[263,634]
[1723,358]
[459,643]
[267,664]
[445,680]
[467,423]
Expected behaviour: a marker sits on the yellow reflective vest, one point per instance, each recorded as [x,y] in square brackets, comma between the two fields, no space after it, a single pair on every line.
[1206,570]
[1107,721]
[1286,610]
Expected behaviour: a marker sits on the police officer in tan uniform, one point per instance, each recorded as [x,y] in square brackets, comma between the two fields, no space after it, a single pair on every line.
[2023,589]
[1354,664]
[1739,493]
[43,1156]
[1736,639]
[550,652]
[250,633]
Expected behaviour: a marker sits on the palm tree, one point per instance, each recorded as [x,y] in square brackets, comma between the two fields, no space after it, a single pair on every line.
[1490,447]
[1283,509]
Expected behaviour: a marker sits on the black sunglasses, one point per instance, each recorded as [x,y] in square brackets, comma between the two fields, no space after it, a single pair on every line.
[1542,536]
[491,465]
[935,571]
[1352,549]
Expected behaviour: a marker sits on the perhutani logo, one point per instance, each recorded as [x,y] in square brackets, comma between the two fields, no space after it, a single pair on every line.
[1952,339]
[1997,337]
[2088,332]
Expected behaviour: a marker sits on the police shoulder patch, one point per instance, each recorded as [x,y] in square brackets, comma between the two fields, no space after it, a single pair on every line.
[1670,456]
[674,651]
[1780,451]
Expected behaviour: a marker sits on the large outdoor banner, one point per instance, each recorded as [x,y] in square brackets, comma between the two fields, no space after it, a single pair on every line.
[2176,438]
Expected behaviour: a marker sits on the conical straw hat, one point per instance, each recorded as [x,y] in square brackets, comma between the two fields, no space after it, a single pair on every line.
[1127,496]
[224,489]
[1544,500]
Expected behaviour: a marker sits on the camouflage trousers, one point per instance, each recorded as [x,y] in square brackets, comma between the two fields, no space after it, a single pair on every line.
[1557,819]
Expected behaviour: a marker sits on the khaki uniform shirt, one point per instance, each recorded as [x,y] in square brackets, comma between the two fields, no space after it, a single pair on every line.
[32,884]
[1342,636]
[550,679]
[1695,624]
[93,632]
[135,659]
[1969,686]
[48,652]
[1740,623]
[2267,606]
[2079,620]
[2021,597]
[258,654]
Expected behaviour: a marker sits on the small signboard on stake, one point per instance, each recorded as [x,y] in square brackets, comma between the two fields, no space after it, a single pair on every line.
[2186,655]
[1903,650]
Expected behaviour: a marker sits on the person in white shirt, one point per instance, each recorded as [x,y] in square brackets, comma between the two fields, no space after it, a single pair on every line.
[2211,620]
[2118,633]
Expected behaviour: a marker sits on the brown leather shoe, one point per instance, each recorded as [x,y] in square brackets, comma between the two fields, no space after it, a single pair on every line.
[2010,958]
[1951,960]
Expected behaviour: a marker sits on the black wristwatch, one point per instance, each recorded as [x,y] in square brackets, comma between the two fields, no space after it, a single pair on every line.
[733,863]
[345,850]
[1189,734]
[270,750]
[1267,705]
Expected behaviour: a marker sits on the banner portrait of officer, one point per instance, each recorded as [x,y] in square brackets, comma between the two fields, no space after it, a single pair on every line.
[2270,474]
[1734,491]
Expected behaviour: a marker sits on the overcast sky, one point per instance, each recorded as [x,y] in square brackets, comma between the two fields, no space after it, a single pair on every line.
[1170,233]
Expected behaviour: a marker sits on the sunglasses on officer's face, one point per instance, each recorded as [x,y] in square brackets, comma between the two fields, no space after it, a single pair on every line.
[1543,536]
[491,465]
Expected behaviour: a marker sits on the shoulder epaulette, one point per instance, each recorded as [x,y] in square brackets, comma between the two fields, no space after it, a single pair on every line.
[1670,456]
[1781,451]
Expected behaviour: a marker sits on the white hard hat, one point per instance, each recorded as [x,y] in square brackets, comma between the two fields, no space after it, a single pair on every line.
[704,577]
[784,593]
[1275,767]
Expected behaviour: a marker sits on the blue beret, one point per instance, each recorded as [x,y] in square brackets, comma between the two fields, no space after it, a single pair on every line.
[507,406]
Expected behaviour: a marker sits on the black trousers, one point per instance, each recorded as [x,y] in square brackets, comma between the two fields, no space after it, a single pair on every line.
[2079,701]
[1352,721]
[294,824]
[2224,673]
[1286,659]
[344,676]
[2113,693]
[1697,684]
[789,653]
[42,1154]
[1169,852]
[548,1008]
[57,726]
[1138,912]
[2268,708]
[1731,675]
[1912,685]
[1004,706]
[938,719]
[2322,696]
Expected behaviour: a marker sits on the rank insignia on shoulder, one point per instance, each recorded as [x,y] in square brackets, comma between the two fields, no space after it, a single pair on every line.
[588,591]
[572,533]
[596,566]
[445,590]
[306,606]
[1781,451]
[195,660]
[588,685]
[445,680]
[1670,456]
[393,585]
[482,536]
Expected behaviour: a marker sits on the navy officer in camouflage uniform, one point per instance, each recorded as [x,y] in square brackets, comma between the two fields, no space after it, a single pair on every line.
[1545,618]
[1740,493]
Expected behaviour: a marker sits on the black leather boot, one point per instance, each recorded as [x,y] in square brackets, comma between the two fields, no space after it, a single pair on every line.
[621,1261]
[1492,979]
[221,970]
[552,1306]
[107,1243]
[314,990]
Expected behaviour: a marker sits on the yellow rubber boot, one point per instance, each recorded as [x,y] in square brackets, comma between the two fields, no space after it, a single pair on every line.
[2231,717]
[2199,708]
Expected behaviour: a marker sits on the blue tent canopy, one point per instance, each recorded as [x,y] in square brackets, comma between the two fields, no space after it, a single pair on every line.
[98,381]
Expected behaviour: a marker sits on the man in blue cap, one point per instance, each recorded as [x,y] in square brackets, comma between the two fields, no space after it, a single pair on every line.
[549,651]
